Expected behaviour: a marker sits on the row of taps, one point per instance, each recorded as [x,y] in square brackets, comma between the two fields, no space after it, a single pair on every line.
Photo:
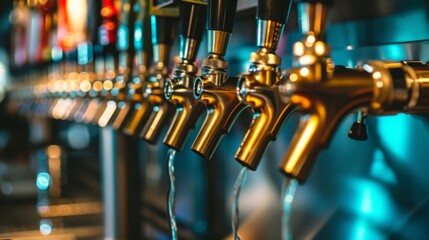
[126,92]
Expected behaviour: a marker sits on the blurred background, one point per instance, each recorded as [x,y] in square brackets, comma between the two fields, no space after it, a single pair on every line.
[54,183]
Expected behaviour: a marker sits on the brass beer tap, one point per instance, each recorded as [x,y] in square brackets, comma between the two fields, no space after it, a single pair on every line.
[259,88]
[179,90]
[214,88]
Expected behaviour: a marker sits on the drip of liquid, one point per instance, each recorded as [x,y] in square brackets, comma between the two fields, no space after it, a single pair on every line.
[241,179]
[288,192]
[172,193]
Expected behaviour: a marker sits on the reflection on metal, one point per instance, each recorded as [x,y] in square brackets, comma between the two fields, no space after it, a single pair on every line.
[107,114]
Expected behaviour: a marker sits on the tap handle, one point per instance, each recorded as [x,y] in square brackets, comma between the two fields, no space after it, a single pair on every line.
[221,15]
[325,2]
[359,131]
[162,29]
[193,17]
[275,10]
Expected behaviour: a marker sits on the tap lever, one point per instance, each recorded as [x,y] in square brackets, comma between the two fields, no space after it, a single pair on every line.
[313,15]
[162,28]
[274,10]
[193,18]
[221,15]
[219,25]
[359,131]
[179,89]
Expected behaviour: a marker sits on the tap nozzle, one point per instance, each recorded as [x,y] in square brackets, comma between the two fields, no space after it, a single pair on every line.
[214,88]
[223,108]
[179,90]
[323,92]
[162,38]
[259,88]
[379,87]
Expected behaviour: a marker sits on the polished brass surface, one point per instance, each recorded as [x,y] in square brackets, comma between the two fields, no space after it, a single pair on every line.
[259,89]
[189,48]
[223,108]
[217,92]
[179,91]
[138,119]
[217,41]
[161,109]
[313,19]
[324,93]
[91,110]
[325,104]
[123,114]
[269,33]
[106,94]
[139,107]
[161,53]
[119,92]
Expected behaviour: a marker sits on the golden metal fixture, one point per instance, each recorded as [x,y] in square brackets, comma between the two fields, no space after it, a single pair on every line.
[323,92]
[327,93]
[214,88]
[139,108]
[179,90]
[161,110]
[223,108]
[259,89]
[108,82]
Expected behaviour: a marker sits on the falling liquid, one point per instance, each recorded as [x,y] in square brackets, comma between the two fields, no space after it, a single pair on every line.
[288,192]
[235,213]
[172,193]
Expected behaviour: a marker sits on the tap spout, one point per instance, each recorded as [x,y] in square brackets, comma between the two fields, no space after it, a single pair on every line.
[324,104]
[223,108]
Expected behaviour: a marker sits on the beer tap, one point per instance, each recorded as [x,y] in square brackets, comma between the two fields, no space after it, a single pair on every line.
[140,108]
[89,52]
[214,88]
[323,91]
[117,107]
[108,39]
[126,53]
[326,93]
[259,88]
[64,85]
[179,90]
[162,28]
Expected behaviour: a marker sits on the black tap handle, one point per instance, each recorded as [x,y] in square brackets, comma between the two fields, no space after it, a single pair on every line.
[275,10]
[162,29]
[221,15]
[326,2]
[193,18]
[359,130]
